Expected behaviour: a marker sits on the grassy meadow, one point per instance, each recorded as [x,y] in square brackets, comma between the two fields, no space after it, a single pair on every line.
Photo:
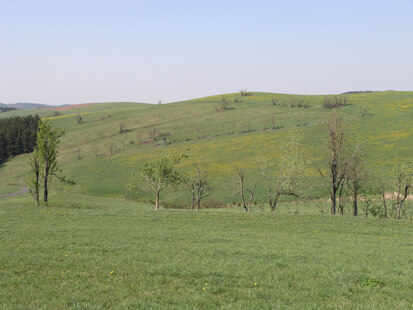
[96,246]
[87,252]
[219,141]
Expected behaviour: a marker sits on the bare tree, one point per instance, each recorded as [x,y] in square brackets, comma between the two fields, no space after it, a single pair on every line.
[240,186]
[112,148]
[337,159]
[273,121]
[382,190]
[152,133]
[403,174]
[224,105]
[199,186]
[355,175]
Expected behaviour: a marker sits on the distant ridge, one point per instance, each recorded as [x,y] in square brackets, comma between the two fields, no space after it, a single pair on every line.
[29,106]
[360,92]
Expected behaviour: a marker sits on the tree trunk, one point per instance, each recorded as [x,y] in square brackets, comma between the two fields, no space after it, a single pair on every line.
[193,202]
[251,198]
[399,208]
[36,185]
[36,190]
[333,202]
[45,180]
[198,203]
[242,193]
[383,197]
[340,200]
[355,207]
[274,204]
[157,200]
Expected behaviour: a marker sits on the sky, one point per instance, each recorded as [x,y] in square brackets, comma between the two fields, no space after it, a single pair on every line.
[79,51]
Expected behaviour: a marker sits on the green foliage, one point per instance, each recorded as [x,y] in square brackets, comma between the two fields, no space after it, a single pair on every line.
[48,139]
[158,174]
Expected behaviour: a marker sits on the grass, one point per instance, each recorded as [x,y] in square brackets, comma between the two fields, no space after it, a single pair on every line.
[8,189]
[88,250]
[219,140]
[90,253]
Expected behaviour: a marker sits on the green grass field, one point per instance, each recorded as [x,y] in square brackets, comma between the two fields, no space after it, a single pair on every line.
[220,141]
[95,247]
[90,253]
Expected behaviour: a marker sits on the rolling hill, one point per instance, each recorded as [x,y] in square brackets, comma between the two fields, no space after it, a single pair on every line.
[218,140]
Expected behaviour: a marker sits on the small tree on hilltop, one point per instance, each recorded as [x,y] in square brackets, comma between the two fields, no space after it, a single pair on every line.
[157,174]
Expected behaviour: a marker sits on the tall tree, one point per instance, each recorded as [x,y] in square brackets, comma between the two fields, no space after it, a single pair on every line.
[47,140]
[337,158]
[158,174]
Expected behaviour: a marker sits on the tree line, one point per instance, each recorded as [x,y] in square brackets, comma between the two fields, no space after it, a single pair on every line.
[17,135]
[342,169]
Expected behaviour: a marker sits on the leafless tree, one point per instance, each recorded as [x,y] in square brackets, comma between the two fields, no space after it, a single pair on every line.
[403,175]
[273,121]
[224,105]
[152,133]
[337,159]
[240,186]
[355,175]
[112,148]
[199,186]
[381,186]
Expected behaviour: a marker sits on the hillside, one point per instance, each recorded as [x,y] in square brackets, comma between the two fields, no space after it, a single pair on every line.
[219,140]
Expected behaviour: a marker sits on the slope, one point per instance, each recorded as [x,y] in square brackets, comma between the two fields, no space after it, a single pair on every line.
[219,140]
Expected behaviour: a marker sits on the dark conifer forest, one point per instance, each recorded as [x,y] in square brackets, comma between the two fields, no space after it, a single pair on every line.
[17,135]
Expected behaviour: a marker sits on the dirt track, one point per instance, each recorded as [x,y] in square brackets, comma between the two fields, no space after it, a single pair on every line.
[23,190]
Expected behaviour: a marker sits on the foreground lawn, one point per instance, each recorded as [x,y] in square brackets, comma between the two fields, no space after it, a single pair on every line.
[117,254]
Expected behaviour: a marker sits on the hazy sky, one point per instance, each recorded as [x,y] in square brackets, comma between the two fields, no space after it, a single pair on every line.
[75,51]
